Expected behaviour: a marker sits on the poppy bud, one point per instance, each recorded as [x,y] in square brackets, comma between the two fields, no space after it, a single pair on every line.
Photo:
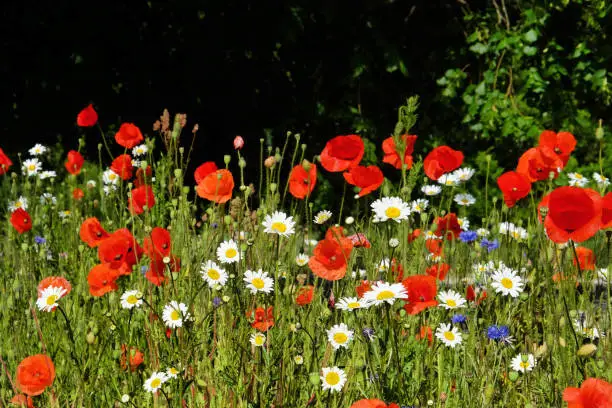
[227,158]
[238,142]
[269,162]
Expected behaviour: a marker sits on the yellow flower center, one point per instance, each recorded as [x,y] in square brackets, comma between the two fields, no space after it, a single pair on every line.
[451,303]
[214,274]
[175,315]
[31,167]
[340,338]
[132,299]
[259,340]
[353,305]
[449,336]
[507,283]
[258,283]
[524,364]
[578,176]
[51,300]
[155,383]
[279,227]
[332,378]
[173,371]
[385,294]
[392,212]
[112,176]
[230,253]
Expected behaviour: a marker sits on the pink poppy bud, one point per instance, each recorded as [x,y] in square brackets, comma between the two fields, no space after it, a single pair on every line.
[238,142]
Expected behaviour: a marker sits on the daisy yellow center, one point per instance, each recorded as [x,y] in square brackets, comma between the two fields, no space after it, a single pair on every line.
[112,176]
[31,167]
[279,227]
[385,294]
[259,340]
[173,371]
[465,200]
[258,283]
[578,176]
[353,305]
[332,378]
[51,300]
[213,274]
[340,338]
[230,253]
[451,303]
[449,336]
[524,364]
[175,315]
[515,234]
[155,383]
[507,283]
[392,212]
[132,299]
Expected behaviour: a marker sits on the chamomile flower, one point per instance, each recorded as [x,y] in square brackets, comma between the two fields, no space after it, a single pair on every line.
[464,199]
[464,223]
[47,174]
[228,252]
[463,174]
[109,189]
[431,190]
[279,223]
[333,379]
[482,232]
[431,235]
[451,300]
[172,372]
[514,231]
[299,359]
[131,299]
[384,265]
[140,150]
[506,281]
[601,180]
[391,208]
[48,198]
[483,268]
[302,260]
[448,180]
[322,217]
[258,339]
[449,336]
[47,301]
[258,281]
[91,184]
[175,314]
[37,150]
[31,167]
[21,202]
[420,205]
[577,179]
[64,214]
[110,177]
[155,381]
[384,292]
[213,274]
[523,363]
[340,336]
[352,303]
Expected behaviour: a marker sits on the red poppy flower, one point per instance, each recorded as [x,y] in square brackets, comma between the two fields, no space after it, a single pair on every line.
[143,176]
[114,250]
[513,186]
[55,281]
[434,246]
[342,152]
[22,400]
[133,357]
[573,213]
[359,240]
[391,155]
[369,403]
[77,193]
[264,320]
[204,170]
[593,393]
[425,333]
[367,179]
[102,279]
[438,270]
[5,163]
[302,180]
[92,233]
[122,165]
[304,295]
[156,274]
[34,374]
[606,211]
[440,161]
[537,163]
[88,117]
[364,286]
[448,226]
[414,235]
[422,291]
[74,162]
[586,259]
[158,245]
[397,270]
[141,197]
[217,186]
[128,135]
[21,220]
[562,143]
[330,256]
[472,295]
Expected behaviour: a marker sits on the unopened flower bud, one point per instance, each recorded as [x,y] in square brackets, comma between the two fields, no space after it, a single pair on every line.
[227,159]
[269,162]
[238,142]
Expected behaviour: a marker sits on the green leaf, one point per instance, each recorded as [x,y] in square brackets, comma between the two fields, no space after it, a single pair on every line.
[479,48]
[529,50]
[531,36]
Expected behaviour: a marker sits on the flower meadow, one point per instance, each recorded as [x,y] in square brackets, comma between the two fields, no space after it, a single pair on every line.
[129,281]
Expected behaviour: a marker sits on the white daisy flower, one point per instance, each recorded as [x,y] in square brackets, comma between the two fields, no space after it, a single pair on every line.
[279,223]
[64,214]
[431,235]
[431,190]
[384,292]
[482,269]
[577,179]
[140,150]
[504,227]
[91,184]
[464,223]
[37,150]
[419,206]
[391,208]
[48,198]
[228,252]
[136,163]
[333,379]
[131,299]
[258,339]
[464,199]
[340,336]
[258,281]
[506,281]
[448,180]
[155,381]
[174,314]
[172,372]
[449,336]
[110,177]
[242,235]
[302,260]
[31,167]
[352,303]
[482,232]
[47,174]
[299,359]
[523,363]
[21,202]
[463,174]
[451,300]
[601,180]
[384,265]
[518,233]
[47,301]
[322,217]
[213,274]
[312,242]
[109,189]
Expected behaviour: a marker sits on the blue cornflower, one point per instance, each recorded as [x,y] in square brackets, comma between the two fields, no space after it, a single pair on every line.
[498,333]
[490,245]
[144,269]
[214,225]
[368,333]
[40,240]
[458,319]
[217,301]
[468,236]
